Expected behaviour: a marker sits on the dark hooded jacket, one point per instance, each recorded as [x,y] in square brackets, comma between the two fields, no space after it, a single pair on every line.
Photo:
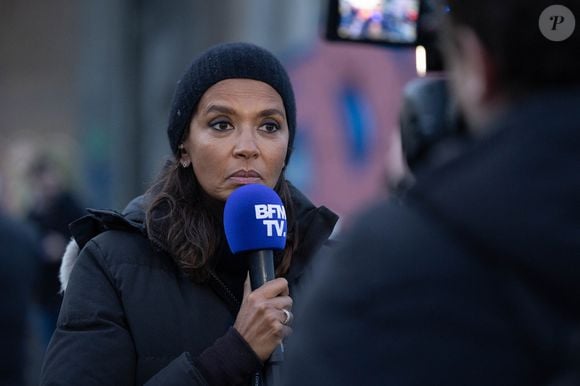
[130,316]
[473,279]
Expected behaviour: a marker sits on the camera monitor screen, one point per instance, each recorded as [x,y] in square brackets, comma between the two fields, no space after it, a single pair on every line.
[379,21]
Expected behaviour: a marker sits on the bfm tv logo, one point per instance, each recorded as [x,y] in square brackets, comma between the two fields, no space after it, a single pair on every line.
[274,218]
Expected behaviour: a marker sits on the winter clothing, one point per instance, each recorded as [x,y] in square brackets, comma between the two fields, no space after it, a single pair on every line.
[51,219]
[130,316]
[19,257]
[228,61]
[474,280]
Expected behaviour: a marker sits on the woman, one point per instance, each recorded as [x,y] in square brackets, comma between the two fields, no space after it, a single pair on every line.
[156,296]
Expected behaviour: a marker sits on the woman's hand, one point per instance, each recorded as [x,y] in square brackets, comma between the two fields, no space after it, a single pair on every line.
[261,320]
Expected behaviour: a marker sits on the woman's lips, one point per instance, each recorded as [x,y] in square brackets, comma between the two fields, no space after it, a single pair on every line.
[245,177]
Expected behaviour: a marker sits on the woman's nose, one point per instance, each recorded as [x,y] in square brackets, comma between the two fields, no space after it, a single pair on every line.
[246,146]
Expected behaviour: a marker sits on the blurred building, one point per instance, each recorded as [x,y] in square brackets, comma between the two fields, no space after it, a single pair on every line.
[92,80]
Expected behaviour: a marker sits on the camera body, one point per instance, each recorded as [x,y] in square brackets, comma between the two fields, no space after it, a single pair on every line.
[388,23]
[431,125]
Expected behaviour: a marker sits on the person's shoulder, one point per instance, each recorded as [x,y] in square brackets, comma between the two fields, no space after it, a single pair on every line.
[306,210]
[109,249]
[393,235]
[113,239]
[316,222]
[117,247]
[384,219]
[99,221]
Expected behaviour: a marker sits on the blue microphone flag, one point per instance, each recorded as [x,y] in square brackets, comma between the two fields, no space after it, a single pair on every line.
[255,219]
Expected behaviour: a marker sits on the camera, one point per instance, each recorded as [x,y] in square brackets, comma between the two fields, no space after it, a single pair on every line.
[432,127]
[388,23]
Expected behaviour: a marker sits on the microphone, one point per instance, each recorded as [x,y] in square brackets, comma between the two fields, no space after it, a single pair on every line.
[255,224]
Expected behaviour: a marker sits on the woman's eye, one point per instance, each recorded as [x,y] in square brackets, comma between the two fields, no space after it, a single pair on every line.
[221,125]
[270,127]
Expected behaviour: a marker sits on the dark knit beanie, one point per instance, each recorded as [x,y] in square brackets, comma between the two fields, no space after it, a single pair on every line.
[228,61]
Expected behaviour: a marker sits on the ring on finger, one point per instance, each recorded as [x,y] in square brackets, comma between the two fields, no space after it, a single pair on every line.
[287,316]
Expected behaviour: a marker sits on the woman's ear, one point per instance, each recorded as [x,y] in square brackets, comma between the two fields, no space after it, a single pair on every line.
[184,158]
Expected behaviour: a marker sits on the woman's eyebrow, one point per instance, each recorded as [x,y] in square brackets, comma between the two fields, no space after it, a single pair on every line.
[270,112]
[227,110]
[219,109]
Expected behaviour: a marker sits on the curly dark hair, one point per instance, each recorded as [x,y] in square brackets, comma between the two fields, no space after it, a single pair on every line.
[182,218]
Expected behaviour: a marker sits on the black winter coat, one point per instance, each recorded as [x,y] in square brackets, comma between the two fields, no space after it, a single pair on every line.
[131,317]
[473,280]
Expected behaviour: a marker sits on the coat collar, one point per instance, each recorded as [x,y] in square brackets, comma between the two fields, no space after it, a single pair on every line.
[315,225]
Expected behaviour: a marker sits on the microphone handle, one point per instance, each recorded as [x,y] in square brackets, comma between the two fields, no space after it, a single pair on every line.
[261,267]
[261,271]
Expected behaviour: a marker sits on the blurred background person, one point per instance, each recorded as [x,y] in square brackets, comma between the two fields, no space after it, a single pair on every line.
[472,279]
[53,207]
[19,256]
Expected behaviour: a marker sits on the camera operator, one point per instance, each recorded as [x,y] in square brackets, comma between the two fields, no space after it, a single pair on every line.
[473,279]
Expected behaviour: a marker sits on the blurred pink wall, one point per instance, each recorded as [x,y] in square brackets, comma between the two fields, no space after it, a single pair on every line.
[338,165]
